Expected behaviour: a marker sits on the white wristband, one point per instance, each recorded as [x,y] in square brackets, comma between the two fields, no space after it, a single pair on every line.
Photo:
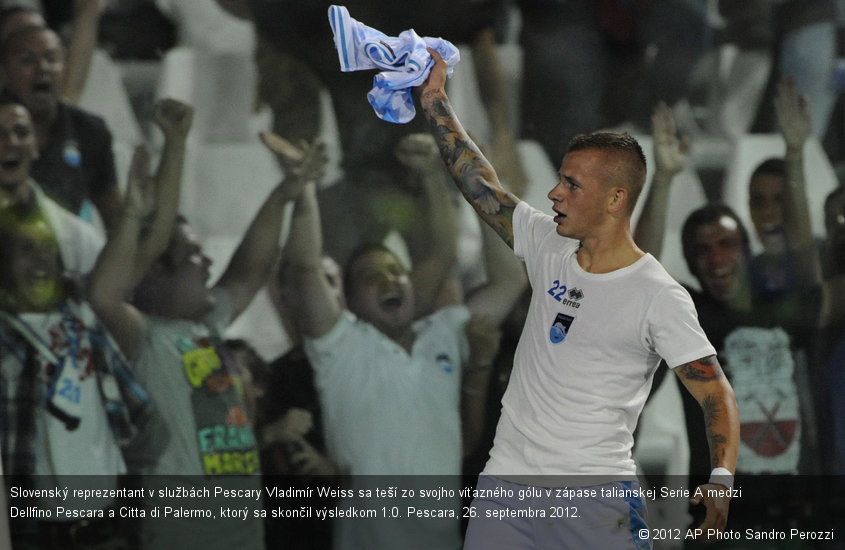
[722,476]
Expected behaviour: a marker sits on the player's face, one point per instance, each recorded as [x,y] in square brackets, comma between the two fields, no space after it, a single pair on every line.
[580,197]
[17,145]
[720,259]
[765,202]
[382,293]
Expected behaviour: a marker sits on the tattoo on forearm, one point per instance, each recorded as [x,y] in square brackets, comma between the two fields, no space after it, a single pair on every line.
[704,369]
[717,441]
[711,411]
[470,169]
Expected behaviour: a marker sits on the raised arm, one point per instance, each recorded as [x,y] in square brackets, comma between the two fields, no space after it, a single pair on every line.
[114,275]
[314,301]
[489,305]
[506,280]
[258,251]
[433,247]
[484,339]
[795,125]
[143,231]
[706,381]
[174,119]
[670,157]
[80,49]
[471,171]
[491,83]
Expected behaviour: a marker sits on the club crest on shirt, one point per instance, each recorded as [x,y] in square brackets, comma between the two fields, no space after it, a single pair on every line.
[560,328]
[445,362]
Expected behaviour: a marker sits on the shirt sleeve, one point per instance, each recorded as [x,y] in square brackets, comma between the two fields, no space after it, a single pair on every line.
[674,330]
[529,227]
[328,346]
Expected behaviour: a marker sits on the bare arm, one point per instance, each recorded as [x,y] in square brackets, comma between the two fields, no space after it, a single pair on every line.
[506,280]
[434,246]
[109,205]
[174,119]
[488,72]
[152,204]
[670,157]
[706,381]
[83,42]
[316,305]
[254,258]
[484,338]
[489,305]
[794,119]
[114,276]
[471,171]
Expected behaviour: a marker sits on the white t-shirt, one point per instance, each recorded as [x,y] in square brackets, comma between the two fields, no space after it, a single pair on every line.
[79,242]
[586,357]
[378,401]
[387,412]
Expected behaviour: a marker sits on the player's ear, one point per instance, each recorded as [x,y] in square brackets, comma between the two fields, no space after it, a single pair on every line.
[618,199]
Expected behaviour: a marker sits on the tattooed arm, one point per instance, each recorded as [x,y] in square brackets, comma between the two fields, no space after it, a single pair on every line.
[706,381]
[472,172]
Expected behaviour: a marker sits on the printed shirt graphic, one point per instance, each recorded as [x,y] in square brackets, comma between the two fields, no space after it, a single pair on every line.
[224,434]
[762,369]
[200,399]
[198,395]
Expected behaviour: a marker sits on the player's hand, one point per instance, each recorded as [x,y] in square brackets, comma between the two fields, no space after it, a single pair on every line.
[717,507]
[436,81]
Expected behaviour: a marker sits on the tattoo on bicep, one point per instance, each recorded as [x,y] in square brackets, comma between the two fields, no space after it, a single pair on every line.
[702,370]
